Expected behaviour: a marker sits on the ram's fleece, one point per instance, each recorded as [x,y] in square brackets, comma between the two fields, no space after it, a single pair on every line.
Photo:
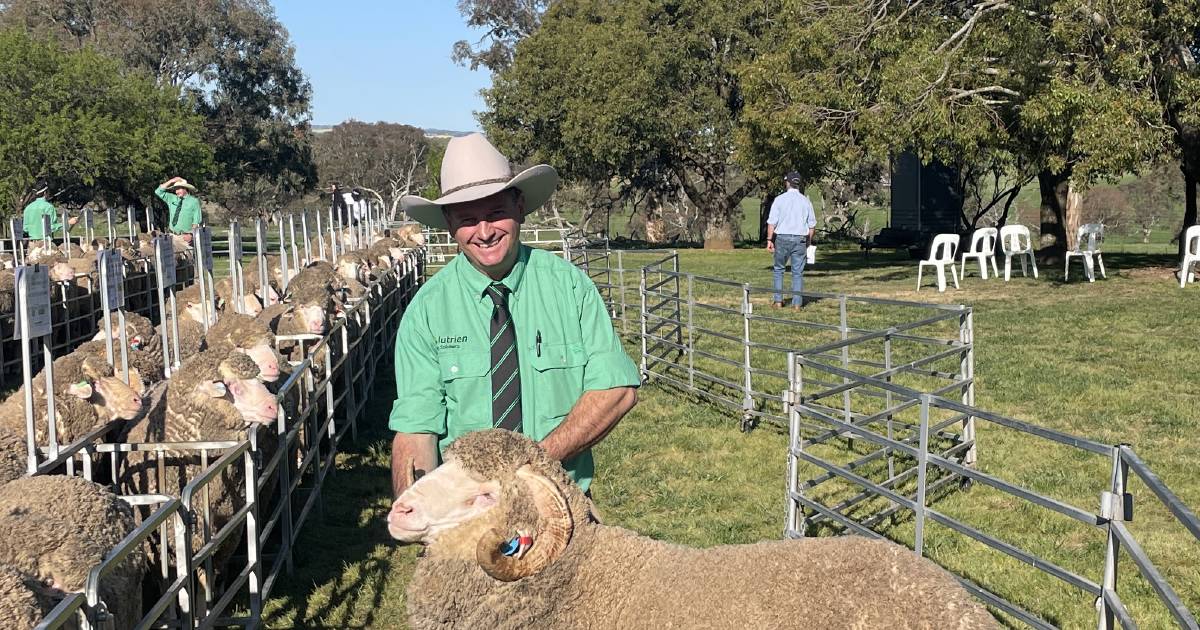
[579,573]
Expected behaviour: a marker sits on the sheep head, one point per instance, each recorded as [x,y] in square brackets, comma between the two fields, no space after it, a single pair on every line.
[237,383]
[495,487]
[244,334]
[312,309]
[192,306]
[109,395]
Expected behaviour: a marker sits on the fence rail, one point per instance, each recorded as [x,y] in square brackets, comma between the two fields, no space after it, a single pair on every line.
[878,397]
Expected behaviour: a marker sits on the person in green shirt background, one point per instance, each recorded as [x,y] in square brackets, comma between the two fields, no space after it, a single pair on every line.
[41,207]
[183,208]
[505,335]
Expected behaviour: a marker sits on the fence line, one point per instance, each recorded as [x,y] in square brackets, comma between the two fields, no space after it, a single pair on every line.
[878,397]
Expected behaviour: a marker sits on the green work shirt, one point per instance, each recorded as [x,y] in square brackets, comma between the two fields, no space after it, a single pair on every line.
[33,214]
[443,351]
[182,212]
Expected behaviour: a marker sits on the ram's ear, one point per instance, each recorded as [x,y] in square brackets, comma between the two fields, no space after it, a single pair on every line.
[213,389]
[551,535]
[82,389]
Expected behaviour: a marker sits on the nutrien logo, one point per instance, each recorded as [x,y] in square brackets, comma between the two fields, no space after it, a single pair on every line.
[448,343]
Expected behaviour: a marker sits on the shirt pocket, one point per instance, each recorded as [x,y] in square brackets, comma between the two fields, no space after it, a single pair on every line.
[557,378]
[468,386]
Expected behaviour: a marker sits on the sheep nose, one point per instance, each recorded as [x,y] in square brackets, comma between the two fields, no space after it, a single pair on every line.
[270,410]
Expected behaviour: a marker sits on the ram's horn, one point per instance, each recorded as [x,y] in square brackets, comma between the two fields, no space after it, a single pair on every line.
[553,533]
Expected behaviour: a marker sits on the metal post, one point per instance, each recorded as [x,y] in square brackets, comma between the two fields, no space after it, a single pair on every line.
[747,384]
[1112,508]
[791,396]
[966,333]
[642,318]
[691,332]
[845,330]
[320,238]
[621,290]
[283,256]
[292,234]
[887,366]
[252,552]
[922,466]
[304,231]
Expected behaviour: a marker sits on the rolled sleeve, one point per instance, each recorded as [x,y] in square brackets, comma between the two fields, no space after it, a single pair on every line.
[773,217]
[420,405]
[162,193]
[608,365]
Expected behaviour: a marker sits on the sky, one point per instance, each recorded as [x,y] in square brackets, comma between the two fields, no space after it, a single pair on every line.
[385,60]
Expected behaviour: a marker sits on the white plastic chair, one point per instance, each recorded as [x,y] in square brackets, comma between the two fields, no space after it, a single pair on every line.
[1087,247]
[941,255]
[983,249]
[1016,241]
[1191,255]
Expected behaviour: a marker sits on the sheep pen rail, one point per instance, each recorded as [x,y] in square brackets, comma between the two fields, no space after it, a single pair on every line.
[278,471]
[878,401]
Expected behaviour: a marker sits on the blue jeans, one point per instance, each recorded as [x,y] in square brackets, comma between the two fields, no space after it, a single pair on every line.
[790,247]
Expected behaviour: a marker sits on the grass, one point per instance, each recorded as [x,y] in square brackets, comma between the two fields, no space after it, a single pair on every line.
[1113,361]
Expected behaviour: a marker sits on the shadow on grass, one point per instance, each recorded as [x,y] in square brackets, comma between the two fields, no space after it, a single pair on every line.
[344,555]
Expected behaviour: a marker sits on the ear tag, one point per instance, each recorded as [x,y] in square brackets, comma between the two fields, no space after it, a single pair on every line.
[510,548]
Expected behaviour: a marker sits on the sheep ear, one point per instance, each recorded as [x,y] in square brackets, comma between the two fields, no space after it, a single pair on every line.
[213,389]
[554,529]
[82,389]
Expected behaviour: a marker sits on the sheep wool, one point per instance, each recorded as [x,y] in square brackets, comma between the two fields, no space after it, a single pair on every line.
[20,607]
[58,542]
[610,577]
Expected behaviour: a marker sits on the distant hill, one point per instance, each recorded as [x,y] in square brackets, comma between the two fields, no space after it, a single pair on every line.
[429,133]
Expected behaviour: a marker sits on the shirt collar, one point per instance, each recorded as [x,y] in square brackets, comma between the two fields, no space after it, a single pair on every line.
[477,282]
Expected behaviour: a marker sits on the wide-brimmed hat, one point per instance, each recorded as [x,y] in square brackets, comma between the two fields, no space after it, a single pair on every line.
[183,183]
[473,169]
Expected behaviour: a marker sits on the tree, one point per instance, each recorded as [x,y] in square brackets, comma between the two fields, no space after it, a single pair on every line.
[640,96]
[97,132]
[387,158]
[506,22]
[234,63]
[1018,84]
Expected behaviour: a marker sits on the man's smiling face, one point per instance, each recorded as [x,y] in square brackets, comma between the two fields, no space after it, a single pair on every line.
[488,230]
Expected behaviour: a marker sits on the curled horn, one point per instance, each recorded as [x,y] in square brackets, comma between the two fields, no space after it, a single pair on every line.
[553,532]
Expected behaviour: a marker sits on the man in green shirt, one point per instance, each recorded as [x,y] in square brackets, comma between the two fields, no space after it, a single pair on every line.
[505,335]
[183,208]
[41,207]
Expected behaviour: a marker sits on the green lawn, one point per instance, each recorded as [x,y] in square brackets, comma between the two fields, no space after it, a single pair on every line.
[1113,361]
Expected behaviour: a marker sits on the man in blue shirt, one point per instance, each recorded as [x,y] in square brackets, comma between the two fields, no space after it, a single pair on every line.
[790,228]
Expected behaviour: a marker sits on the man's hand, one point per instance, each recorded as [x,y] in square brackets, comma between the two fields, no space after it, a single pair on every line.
[187,237]
[771,246]
[413,455]
[72,220]
[593,416]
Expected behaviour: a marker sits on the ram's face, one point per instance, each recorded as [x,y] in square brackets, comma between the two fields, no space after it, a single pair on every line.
[113,398]
[441,500]
[313,318]
[195,312]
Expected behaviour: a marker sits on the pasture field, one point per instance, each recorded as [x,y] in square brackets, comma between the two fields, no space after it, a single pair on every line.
[1113,361]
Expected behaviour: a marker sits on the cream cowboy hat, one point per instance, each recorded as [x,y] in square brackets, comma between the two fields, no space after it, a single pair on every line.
[473,169]
[183,183]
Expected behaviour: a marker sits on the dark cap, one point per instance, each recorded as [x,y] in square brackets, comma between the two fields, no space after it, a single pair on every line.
[792,177]
[40,187]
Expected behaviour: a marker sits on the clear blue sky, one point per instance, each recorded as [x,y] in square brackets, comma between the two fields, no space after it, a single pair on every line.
[385,60]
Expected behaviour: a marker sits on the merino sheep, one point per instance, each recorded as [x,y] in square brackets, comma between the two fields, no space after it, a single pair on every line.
[12,455]
[215,396]
[87,396]
[242,333]
[253,282]
[251,305]
[569,571]
[55,543]
[144,346]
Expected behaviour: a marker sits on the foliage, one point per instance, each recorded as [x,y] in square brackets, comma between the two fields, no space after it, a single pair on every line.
[507,22]
[96,131]
[641,95]
[233,60]
[387,158]
[433,168]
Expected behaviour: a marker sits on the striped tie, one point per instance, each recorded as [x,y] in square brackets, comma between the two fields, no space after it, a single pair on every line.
[506,374]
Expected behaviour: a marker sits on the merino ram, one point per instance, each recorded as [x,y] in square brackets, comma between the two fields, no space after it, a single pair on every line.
[56,529]
[512,542]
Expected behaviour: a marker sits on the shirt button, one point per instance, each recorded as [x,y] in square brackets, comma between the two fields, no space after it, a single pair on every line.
[453,368]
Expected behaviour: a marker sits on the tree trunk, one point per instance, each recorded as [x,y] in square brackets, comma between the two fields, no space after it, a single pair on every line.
[1073,217]
[718,229]
[656,229]
[1190,173]
[1053,188]
[764,212]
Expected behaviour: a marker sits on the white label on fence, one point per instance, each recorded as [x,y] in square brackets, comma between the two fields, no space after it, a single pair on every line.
[165,252]
[35,298]
[110,261]
[203,240]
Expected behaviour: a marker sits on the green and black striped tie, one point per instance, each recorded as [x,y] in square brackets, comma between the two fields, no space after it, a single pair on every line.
[506,372]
